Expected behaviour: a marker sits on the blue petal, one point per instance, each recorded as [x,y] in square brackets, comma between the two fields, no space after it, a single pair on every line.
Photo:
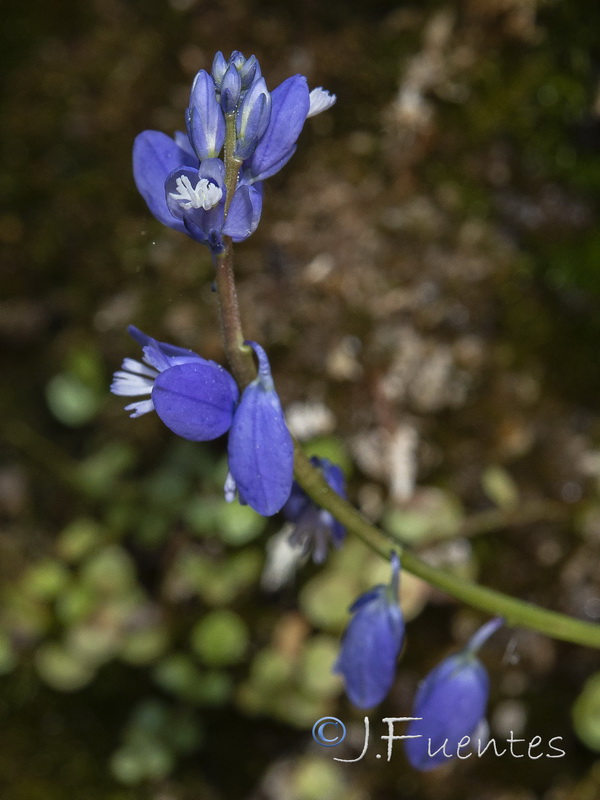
[183,141]
[208,235]
[204,119]
[155,155]
[261,451]
[272,168]
[214,170]
[289,108]
[196,400]
[452,702]
[333,475]
[205,227]
[244,213]
[370,648]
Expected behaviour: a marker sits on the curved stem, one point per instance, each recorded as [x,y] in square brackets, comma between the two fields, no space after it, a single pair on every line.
[515,612]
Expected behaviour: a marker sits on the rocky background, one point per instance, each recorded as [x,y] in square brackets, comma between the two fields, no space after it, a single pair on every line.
[426,280]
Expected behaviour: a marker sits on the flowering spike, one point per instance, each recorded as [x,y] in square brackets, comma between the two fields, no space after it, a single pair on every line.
[371,644]
[173,174]
[261,451]
[450,704]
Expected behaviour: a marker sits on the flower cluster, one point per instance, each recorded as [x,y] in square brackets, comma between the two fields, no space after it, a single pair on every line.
[183,179]
[314,527]
[199,400]
[207,183]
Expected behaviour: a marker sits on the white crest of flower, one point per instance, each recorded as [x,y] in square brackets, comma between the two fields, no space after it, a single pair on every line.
[320,100]
[135,379]
[282,559]
[205,195]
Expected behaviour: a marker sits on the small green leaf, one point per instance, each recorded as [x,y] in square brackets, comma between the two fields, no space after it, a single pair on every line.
[220,638]
[71,401]
[61,669]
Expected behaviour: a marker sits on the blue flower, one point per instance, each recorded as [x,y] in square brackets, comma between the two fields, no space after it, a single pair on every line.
[198,400]
[315,527]
[290,106]
[188,195]
[450,704]
[194,397]
[183,180]
[371,643]
[261,450]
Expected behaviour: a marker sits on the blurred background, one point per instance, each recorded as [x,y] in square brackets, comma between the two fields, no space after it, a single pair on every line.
[426,280]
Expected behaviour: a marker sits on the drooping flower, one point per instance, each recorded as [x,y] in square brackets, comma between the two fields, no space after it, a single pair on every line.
[183,180]
[315,527]
[194,397]
[371,643]
[450,705]
[261,450]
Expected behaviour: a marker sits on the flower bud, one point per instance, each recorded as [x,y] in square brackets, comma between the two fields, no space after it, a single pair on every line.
[204,118]
[231,88]
[450,705]
[371,643]
[252,119]
[261,451]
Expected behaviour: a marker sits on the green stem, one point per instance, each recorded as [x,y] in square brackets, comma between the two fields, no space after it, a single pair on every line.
[515,612]
[232,164]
